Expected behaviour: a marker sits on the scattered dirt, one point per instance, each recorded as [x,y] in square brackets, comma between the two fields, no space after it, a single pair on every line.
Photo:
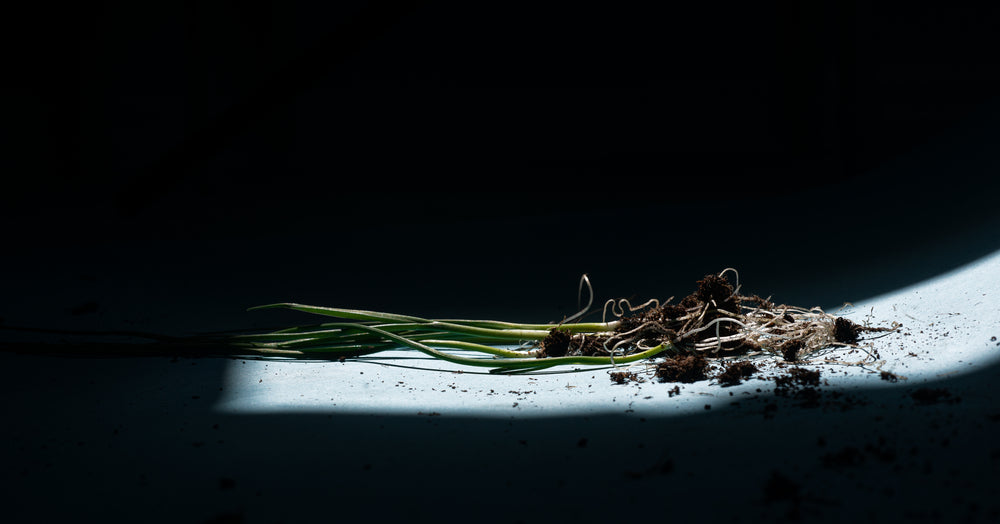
[716,321]
[797,378]
[800,384]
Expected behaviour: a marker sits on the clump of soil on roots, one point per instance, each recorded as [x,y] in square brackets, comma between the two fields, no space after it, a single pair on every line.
[790,349]
[555,344]
[846,331]
[717,321]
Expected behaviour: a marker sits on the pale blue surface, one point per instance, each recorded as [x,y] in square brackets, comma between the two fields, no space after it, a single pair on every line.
[194,440]
[947,323]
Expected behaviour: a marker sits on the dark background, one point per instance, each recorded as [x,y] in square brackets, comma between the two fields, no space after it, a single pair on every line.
[450,156]
[168,164]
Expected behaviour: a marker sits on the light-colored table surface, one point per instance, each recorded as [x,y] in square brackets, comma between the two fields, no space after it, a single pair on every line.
[400,436]
[949,327]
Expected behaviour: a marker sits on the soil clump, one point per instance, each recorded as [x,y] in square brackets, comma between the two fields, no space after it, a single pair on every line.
[556,344]
[683,368]
[790,350]
[735,372]
[845,331]
[621,377]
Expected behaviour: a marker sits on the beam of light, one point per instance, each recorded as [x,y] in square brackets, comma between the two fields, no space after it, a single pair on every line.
[949,327]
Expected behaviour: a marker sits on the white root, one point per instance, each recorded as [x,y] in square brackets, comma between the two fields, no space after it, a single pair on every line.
[762,325]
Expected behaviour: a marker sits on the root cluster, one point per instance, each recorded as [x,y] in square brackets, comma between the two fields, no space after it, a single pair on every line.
[713,321]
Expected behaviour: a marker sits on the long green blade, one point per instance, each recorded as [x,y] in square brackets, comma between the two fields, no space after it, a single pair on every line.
[353,314]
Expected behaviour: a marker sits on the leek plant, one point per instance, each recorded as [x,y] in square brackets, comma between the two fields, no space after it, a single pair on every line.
[714,321]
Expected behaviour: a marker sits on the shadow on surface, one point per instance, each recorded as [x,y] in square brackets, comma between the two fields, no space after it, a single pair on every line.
[143,434]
